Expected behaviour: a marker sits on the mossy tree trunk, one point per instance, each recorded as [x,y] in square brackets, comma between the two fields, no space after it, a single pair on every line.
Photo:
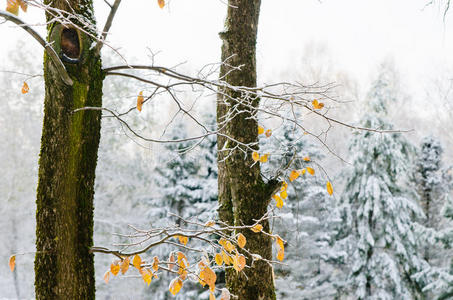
[243,196]
[64,266]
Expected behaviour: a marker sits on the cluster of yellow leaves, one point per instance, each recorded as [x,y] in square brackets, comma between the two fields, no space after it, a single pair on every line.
[283,195]
[12,6]
[281,248]
[25,88]
[262,158]
[317,105]
[123,266]
[140,100]
[182,239]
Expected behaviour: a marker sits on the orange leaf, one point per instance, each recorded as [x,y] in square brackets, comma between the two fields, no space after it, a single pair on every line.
[241,262]
[155,263]
[161,3]
[137,261]
[311,171]
[12,262]
[317,105]
[306,158]
[268,133]
[115,268]
[175,286]
[209,223]
[293,175]
[140,100]
[12,6]
[218,259]
[329,188]
[281,248]
[257,228]
[25,88]
[171,259]
[255,156]
[211,296]
[264,158]
[125,265]
[284,186]
[107,277]
[260,130]
[23,5]
[281,254]
[241,240]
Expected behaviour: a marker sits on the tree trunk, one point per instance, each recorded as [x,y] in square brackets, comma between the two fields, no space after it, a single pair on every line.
[64,266]
[243,196]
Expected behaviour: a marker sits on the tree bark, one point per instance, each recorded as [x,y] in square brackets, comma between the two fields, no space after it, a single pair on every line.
[64,266]
[243,196]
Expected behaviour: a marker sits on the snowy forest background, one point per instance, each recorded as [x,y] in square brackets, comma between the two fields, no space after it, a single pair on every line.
[390,219]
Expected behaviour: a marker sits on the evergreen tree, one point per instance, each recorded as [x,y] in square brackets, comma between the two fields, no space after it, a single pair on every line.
[434,186]
[379,210]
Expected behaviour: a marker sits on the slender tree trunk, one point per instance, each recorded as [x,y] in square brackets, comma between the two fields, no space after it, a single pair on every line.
[63,264]
[243,196]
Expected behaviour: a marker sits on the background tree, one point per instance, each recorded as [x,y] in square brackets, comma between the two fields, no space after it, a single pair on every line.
[379,209]
[243,195]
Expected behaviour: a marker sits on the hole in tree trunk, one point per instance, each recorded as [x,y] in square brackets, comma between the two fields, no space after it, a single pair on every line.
[69,43]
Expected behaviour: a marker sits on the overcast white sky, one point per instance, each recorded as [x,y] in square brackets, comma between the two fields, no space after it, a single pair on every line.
[358,33]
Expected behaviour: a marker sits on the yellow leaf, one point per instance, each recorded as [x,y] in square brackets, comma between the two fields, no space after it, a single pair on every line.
[226,258]
[211,296]
[268,133]
[155,263]
[281,248]
[115,268]
[161,3]
[278,200]
[255,156]
[107,277]
[317,105]
[257,228]
[146,275]
[241,262]
[218,259]
[183,239]
[125,265]
[208,276]
[283,194]
[264,158]
[329,188]
[175,286]
[284,186]
[25,88]
[12,262]
[140,100]
[12,6]
[209,223]
[281,254]
[229,246]
[260,130]
[306,158]
[293,175]
[137,261]
[241,240]
[311,171]
[302,171]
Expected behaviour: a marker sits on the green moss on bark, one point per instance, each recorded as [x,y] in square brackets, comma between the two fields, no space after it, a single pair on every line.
[64,266]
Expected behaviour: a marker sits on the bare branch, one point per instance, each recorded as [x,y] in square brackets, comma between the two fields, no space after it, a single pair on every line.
[107,25]
[50,51]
